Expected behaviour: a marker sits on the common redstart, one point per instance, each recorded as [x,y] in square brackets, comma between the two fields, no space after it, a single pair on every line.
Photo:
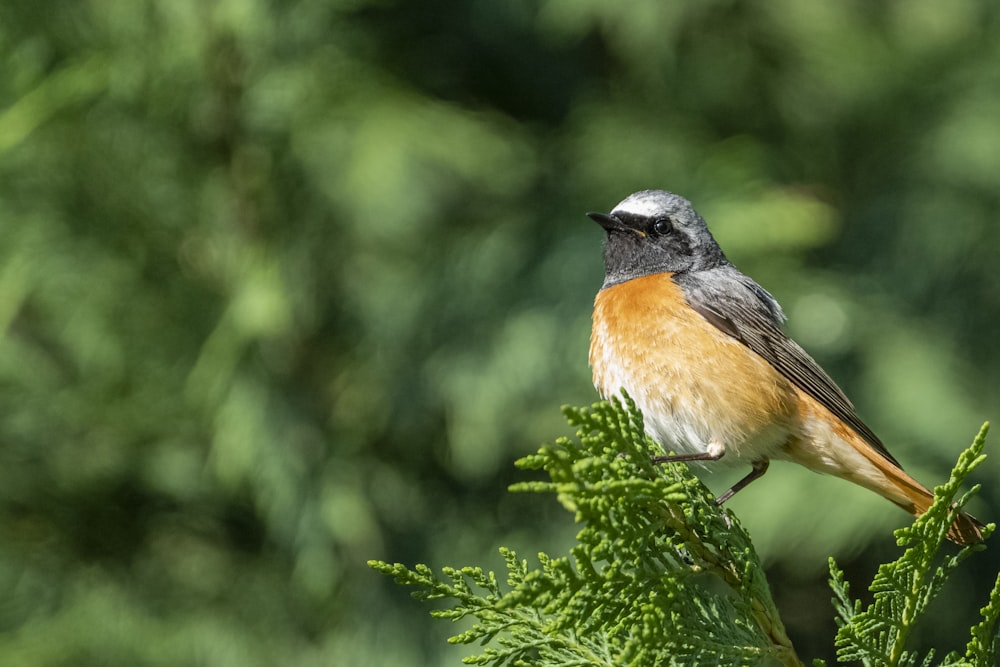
[699,347]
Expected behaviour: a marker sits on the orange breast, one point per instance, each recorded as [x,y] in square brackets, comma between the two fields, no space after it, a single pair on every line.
[695,385]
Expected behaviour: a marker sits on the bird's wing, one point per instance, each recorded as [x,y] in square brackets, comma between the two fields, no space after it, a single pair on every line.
[741,308]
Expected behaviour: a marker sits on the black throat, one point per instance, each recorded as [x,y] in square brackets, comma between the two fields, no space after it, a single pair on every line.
[628,256]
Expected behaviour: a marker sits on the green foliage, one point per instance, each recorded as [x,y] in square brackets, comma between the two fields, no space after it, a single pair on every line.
[662,575]
[275,275]
[984,645]
[877,635]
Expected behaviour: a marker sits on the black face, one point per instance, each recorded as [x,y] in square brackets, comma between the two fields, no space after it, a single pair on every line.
[655,232]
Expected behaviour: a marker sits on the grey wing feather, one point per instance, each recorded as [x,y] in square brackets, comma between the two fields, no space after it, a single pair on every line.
[740,308]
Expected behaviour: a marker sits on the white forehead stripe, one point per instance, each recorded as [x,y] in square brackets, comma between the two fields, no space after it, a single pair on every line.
[647,204]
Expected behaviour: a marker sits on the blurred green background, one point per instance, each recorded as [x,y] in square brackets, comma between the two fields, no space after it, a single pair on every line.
[285,286]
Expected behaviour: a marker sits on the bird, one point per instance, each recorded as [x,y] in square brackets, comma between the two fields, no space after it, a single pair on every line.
[700,348]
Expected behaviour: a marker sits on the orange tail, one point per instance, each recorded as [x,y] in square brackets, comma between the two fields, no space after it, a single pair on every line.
[830,446]
[966,528]
[912,496]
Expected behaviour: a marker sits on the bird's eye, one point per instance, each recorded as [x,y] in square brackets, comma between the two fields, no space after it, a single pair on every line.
[661,226]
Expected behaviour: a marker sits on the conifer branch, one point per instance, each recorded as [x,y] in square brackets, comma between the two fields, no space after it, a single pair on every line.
[903,589]
[661,575]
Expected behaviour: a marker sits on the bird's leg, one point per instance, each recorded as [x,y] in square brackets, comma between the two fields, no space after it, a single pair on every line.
[759,468]
[675,458]
[714,452]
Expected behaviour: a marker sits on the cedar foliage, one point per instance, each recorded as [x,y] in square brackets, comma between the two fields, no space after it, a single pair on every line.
[661,575]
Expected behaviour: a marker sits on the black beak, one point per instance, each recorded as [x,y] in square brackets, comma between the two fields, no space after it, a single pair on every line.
[609,222]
